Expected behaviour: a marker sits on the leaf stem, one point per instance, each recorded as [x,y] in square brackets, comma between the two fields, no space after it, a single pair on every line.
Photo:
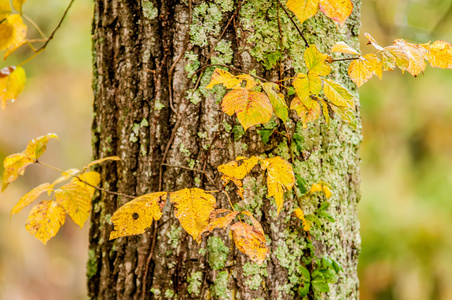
[35,26]
[344,59]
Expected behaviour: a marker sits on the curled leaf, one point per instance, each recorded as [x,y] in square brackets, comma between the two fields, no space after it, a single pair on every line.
[138,214]
[98,161]
[14,165]
[342,47]
[193,208]
[36,147]
[45,220]
[321,187]
[221,222]
[300,215]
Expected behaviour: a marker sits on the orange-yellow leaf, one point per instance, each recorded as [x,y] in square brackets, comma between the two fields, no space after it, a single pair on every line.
[279,175]
[359,71]
[346,114]
[17,4]
[238,183]
[13,31]
[221,222]
[45,220]
[5,9]
[36,147]
[12,83]
[277,100]
[138,214]
[251,241]
[14,165]
[75,196]
[252,108]
[303,9]
[98,161]
[342,47]
[306,115]
[316,62]
[321,187]
[440,54]
[31,196]
[337,10]
[193,208]
[234,170]
[337,94]
[300,215]
[220,76]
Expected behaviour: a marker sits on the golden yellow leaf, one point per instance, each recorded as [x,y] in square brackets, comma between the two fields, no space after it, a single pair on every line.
[346,114]
[277,100]
[65,176]
[321,187]
[37,146]
[342,47]
[303,9]
[193,208]
[337,10]
[75,196]
[252,108]
[374,64]
[12,83]
[221,222]
[234,170]
[251,241]
[316,62]
[31,196]
[13,31]
[373,42]
[45,220]
[220,76]
[5,9]
[307,85]
[98,161]
[337,94]
[400,58]
[17,4]
[300,215]
[14,165]
[359,71]
[138,214]
[279,174]
[440,54]
[306,115]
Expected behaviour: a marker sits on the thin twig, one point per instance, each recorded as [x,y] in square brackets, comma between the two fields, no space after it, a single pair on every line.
[344,59]
[35,26]
[293,22]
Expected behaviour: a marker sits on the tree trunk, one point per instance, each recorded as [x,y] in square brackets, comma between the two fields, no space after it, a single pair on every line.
[151,108]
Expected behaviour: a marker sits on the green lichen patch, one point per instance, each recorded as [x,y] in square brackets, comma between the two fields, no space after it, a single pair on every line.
[220,288]
[194,283]
[91,266]
[218,253]
[149,10]
[173,235]
[254,272]
[206,21]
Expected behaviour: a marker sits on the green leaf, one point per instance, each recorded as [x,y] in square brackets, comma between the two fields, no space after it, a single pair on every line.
[301,183]
[303,289]
[336,266]
[265,134]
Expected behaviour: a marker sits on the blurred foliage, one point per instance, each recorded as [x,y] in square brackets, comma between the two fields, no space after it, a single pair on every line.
[406,207]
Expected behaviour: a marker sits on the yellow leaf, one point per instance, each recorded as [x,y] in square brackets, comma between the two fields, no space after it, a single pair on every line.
[337,94]
[359,71]
[251,241]
[5,9]
[325,111]
[17,4]
[416,56]
[31,196]
[373,42]
[222,222]
[75,196]
[316,62]
[321,187]
[14,165]
[337,10]
[346,114]
[400,57]
[193,208]
[250,83]
[65,176]
[45,220]
[279,174]
[238,183]
[303,9]
[300,215]
[220,76]
[344,48]
[306,115]
[12,83]
[252,108]
[138,214]
[98,161]
[13,31]
[36,147]
[307,85]
[277,100]
[234,170]
[13,48]
[374,64]
[440,54]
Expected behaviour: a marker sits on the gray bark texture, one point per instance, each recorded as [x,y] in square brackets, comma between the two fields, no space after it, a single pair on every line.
[153,111]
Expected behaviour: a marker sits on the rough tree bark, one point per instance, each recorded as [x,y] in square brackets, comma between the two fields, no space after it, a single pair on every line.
[145,103]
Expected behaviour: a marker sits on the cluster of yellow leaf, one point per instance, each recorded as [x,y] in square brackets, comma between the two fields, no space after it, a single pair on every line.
[72,198]
[279,175]
[13,32]
[337,10]
[404,55]
[195,209]
[309,87]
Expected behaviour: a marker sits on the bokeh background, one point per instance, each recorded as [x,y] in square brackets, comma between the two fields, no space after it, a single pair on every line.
[406,206]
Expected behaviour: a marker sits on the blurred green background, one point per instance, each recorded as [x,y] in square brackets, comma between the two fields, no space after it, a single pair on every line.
[406,206]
